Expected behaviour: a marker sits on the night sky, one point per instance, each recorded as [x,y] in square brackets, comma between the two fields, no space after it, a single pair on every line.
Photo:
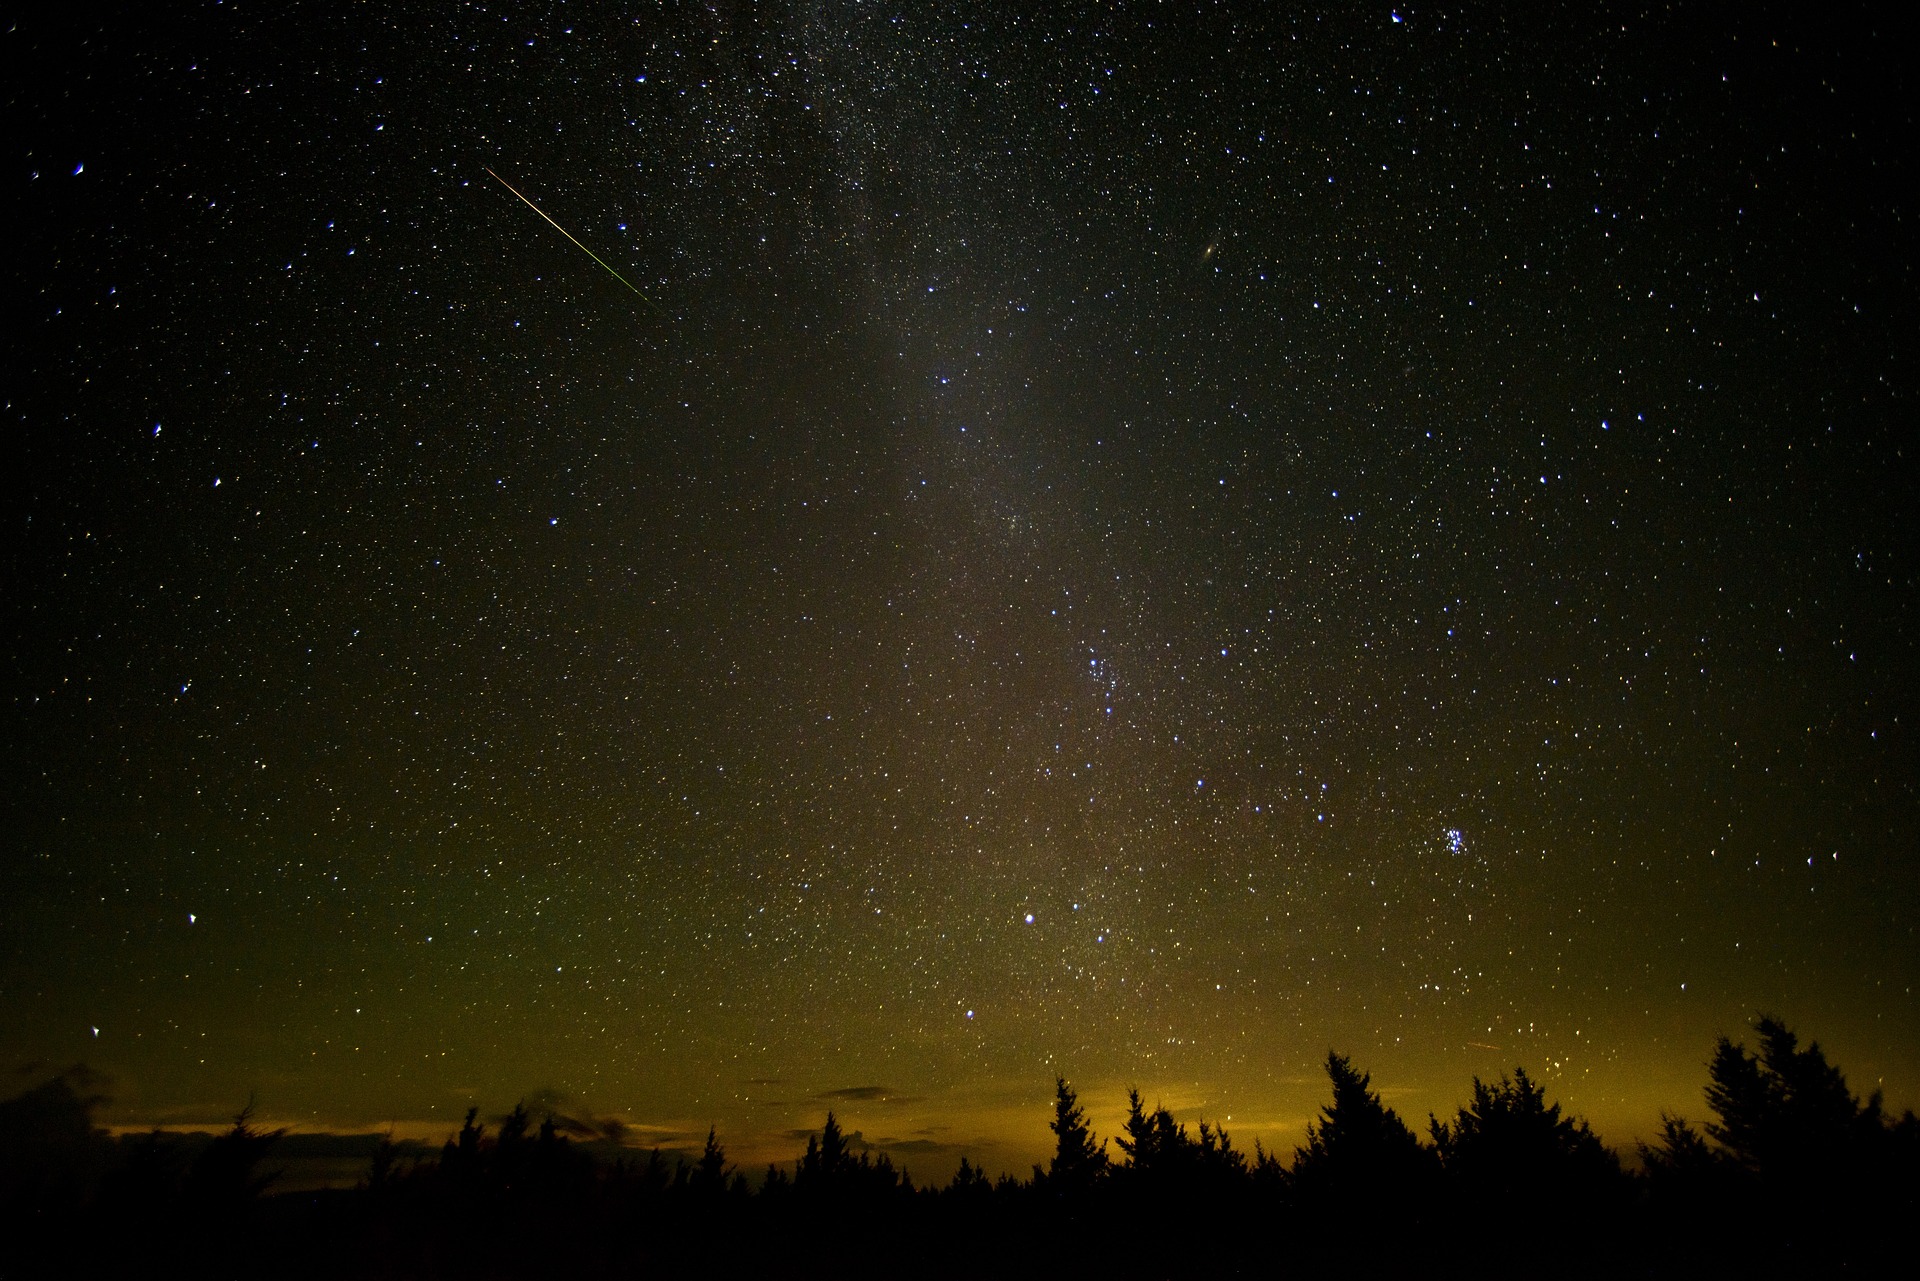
[1139,542]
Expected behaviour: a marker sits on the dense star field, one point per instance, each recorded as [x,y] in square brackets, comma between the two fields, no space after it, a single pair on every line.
[1134,542]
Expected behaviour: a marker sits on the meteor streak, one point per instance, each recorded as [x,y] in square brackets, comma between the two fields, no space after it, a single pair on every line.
[569,235]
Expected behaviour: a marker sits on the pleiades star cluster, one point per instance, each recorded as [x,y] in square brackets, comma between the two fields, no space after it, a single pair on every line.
[941,546]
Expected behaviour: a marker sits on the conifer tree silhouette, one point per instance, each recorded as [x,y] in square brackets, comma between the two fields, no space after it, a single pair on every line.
[1680,1153]
[1136,1132]
[1785,1111]
[1215,1156]
[513,1126]
[654,1177]
[225,1178]
[827,1160]
[382,1165]
[460,1158]
[1815,1155]
[969,1181]
[710,1173]
[1509,1141]
[1077,1162]
[1688,1181]
[1359,1151]
[1156,1146]
[1799,1173]
[1267,1173]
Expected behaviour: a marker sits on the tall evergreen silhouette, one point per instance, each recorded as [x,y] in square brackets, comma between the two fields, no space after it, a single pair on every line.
[1155,1145]
[1359,1151]
[225,1178]
[1800,1175]
[1511,1143]
[1078,1163]
[710,1172]
[1784,1114]
[827,1161]
[970,1183]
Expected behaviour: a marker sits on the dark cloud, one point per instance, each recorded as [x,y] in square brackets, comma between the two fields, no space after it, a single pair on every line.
[326,1143]
[861,1092]
[918,1147]
[666,1138]
[572,1118]
[868,1094]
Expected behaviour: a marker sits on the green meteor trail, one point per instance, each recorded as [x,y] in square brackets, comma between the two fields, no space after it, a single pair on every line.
[569,235]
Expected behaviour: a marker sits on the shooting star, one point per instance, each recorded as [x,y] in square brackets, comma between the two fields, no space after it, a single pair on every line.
[569,235]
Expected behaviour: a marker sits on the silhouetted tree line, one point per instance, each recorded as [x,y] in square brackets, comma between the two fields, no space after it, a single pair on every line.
[1792,1175]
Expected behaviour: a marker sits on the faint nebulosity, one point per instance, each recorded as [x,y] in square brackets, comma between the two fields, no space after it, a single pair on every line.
[1140,542]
